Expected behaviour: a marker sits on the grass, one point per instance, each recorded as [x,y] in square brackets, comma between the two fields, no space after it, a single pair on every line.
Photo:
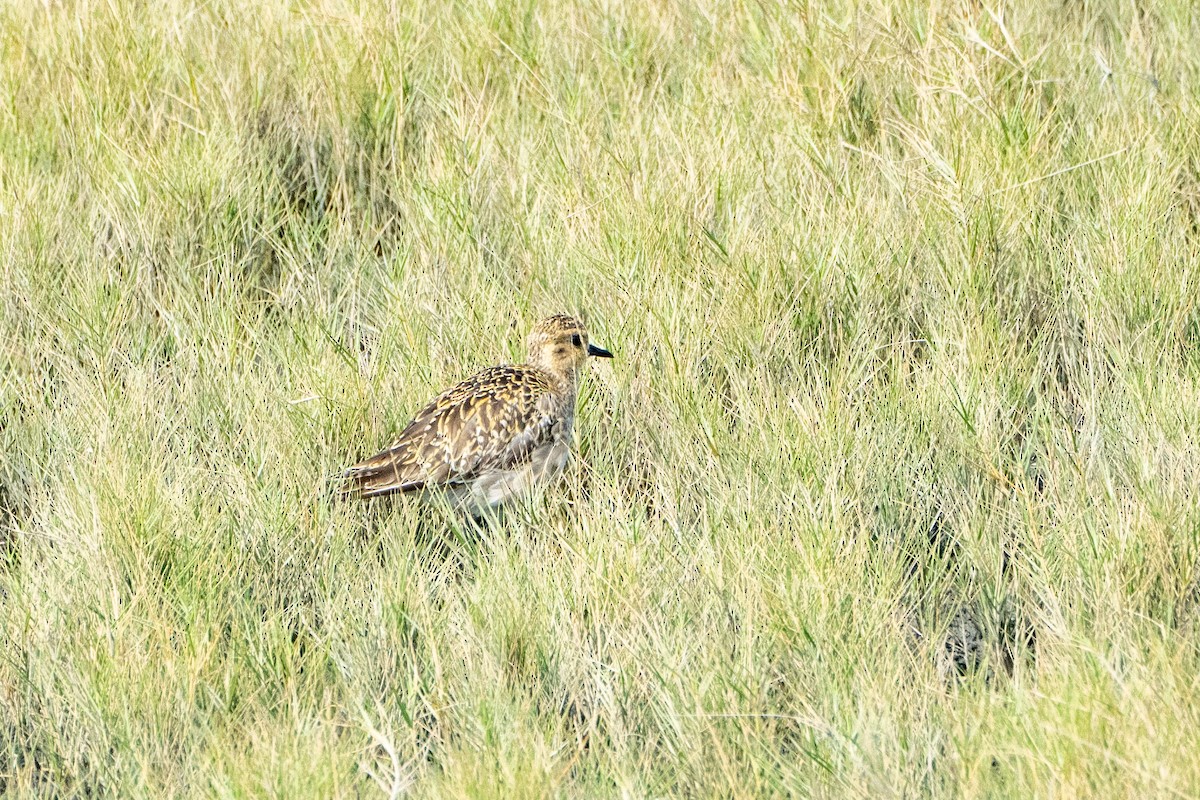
[890,492]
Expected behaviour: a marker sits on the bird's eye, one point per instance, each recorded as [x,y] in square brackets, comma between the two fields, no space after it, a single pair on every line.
[575,340]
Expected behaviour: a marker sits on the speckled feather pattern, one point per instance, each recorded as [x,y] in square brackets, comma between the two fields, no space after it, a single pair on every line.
[492,420]
[496,433]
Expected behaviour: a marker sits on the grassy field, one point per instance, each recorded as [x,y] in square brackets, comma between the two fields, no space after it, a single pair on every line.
[890,492]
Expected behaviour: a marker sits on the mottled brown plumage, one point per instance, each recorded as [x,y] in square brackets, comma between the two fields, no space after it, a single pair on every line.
[496,435]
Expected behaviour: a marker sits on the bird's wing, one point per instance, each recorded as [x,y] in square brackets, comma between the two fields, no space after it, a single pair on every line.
[493,420]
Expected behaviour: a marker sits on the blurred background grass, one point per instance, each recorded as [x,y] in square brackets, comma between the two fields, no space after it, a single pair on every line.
[889,493]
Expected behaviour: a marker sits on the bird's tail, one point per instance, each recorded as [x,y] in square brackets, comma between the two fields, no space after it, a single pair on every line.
[375,480]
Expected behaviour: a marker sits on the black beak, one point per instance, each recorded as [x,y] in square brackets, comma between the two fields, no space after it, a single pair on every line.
[598,352]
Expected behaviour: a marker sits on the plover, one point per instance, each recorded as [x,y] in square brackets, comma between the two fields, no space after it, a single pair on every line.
[497,435]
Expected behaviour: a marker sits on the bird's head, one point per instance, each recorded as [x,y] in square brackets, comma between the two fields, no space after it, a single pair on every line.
[559,345]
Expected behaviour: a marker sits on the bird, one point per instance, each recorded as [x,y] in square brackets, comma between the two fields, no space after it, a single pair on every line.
[496,436]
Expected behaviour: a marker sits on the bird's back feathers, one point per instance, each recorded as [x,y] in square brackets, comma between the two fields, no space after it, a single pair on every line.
[494,420]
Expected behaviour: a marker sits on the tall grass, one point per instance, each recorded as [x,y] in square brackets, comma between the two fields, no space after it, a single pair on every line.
[890,492]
